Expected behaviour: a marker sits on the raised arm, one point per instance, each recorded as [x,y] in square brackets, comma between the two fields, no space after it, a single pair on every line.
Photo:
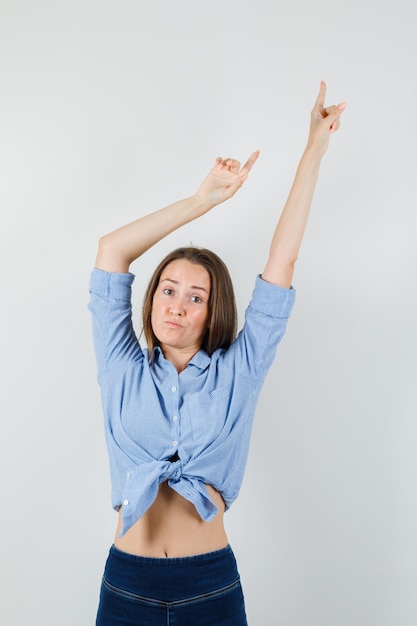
[290,229]
[118,249]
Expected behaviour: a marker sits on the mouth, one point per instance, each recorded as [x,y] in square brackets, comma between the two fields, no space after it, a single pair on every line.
[173,324]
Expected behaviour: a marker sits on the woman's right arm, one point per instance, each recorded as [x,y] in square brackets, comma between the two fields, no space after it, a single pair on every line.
[120,248]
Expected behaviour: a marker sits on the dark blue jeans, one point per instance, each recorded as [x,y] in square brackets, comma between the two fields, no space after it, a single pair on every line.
[202,590]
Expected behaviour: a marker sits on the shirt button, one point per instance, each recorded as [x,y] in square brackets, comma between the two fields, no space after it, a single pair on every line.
[125,502]
[175,417]
[129,474]
[175,443]
[173,388]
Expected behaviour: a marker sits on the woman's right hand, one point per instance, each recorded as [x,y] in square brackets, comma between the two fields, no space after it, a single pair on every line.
[224,179]
[119,248]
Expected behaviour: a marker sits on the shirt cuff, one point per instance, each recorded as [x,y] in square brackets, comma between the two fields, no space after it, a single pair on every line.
[272,299]
[111,284]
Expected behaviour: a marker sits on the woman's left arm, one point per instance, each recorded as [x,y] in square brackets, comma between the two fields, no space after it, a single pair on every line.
[290,229]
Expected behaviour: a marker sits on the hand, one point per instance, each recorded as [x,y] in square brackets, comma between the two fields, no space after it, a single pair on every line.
[324,121]
[225,178]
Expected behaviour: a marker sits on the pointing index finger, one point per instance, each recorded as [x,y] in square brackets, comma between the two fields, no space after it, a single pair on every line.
[249,163]
[321,97]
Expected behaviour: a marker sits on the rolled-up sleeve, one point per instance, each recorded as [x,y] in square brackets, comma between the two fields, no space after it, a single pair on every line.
[265,324]
[111,309]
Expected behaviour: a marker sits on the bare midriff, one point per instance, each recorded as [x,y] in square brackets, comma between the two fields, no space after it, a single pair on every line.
[171,528]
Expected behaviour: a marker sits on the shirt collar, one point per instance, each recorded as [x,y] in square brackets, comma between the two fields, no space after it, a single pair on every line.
[201,359]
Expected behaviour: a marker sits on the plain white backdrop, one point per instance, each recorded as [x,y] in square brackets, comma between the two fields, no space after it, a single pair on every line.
[110,110]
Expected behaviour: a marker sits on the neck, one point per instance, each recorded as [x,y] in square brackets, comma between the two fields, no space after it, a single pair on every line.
[179,358]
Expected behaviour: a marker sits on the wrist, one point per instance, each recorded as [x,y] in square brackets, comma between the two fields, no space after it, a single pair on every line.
[314,151]
[317,145]
[201,203]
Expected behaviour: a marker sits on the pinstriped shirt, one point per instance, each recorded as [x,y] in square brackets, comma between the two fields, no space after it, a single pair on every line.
[204,414]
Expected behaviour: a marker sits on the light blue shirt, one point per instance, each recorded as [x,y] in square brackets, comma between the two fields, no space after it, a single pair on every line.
[205,413]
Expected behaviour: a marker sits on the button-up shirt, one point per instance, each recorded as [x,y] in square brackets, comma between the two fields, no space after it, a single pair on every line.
[202,416]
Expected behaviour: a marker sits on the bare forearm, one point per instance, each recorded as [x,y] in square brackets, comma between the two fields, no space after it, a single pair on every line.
[289,232]
[120,248]
[288,235]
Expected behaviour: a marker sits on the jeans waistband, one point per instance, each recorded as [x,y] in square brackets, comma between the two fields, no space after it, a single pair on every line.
[171,579]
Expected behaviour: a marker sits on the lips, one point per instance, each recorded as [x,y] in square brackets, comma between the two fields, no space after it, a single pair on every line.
[173,324]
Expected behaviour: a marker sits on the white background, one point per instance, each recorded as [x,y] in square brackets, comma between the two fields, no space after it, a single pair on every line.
[110,110]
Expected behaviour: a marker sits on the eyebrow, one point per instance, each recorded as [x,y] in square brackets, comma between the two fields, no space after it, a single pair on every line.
[176,282]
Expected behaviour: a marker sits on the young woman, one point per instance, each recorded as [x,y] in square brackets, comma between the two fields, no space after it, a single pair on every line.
[178,414]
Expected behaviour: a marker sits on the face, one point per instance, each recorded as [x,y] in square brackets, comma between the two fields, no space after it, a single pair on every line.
[180,306]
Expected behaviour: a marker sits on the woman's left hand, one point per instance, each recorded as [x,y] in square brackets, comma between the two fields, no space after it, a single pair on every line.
[324,121]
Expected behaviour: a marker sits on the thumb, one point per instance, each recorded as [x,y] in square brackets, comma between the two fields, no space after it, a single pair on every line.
[231,190]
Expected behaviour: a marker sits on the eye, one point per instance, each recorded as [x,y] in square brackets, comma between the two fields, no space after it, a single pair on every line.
[196,299]
[168,291]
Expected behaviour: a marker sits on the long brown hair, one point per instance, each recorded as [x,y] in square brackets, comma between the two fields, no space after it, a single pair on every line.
[222,319]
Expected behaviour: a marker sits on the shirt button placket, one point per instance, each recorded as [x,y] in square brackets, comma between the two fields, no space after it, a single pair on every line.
[126,502]
[174,420]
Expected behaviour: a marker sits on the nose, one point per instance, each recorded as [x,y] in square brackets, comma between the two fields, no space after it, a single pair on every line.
[177,307]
